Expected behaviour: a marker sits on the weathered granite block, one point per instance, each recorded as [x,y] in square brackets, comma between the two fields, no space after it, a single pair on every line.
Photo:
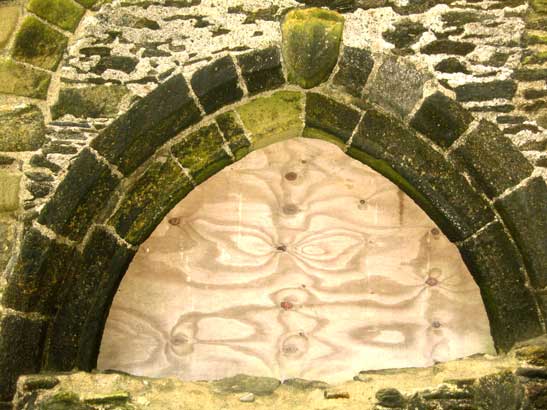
[152,121]
[495,264]
[441,119]
[492,159]
[261,69]
[22,128]
[328,119]
[84,191]
[233,134]
[217,85]
[353,70]
[161,187]
[202,153]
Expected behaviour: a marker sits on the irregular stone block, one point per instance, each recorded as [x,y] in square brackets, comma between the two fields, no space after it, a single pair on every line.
[151,122]
[19,79]
[22,128]
[274,118]
[125,64]
[495,264]
[460,48]
[162,186]
[241,383]
[8,16]
[20,350]
[63,13]
[390,397]
[84,191]
[90,102]
[233,134]
[524,211]
[451,65]
[404,34]
[441,119]
[77,328]
[492,159]
[329,120]
[38,44]
[353,70]
[217,85]
[9,191]
[311,42]
[261,69]
[501,391]
[433,182]
[397,86]
[530,74]
[486,91]
[202,153]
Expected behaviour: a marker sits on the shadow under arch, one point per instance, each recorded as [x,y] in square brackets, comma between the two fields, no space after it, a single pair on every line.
[116,191]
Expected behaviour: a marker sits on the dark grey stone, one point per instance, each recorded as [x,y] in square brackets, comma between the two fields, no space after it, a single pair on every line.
[261,69]
[460,48]
[486,91]
[353,70]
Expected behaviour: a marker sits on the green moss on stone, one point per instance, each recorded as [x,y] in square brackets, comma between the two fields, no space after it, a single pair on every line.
[274,118]
[537,58]
[115,398]
[63,400]
[87,3]
[38,44]
[311,43]
[63,13]
[535,38]
[19,79]
[234,134]
[22,129]
[539,5]
[202,153]
[90,102]
[149,199]
[8,17]
[9,191]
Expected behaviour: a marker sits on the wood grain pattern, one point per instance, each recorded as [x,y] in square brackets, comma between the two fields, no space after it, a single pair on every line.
[295,262]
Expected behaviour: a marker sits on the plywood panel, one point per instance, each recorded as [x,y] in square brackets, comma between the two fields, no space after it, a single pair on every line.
[295,262]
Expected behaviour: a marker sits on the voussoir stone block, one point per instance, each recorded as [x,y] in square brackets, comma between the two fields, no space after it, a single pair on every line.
[22,128]
[261,69]
[311,43]
[234,134]
[329,120]
[492,159]
[433,182]
[354,69]
[90,102]
[161,187]
[274,118]
[151,122]
[202,153]
[524,211]
[18,79]
[441,119]
[65,14]
[495,265]
[77,328]
[38,44]
[217,84]
[20,350]
[83,192]
[397,86]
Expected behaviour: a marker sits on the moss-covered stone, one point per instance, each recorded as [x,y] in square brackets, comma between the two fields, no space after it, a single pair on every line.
[535,355]
[492,159]
[241,383]
[460,48]
[64,400]
[486,91]
[274,118]
[329,120]
[233,134]
[90,102]
[441,119]
[261,69]
[65,14]
[397,86]
[530,74]
[390,397]
[421,171]
[353,70]
[501,391]
[217,84]
[87,3]
[81,194]
[9,190]
[19,79]
[22,129]
[9,15]
[40,382]
[115,398]
[495,265]
[524,210]
[202,153]
[161,187]
[539,5]
[136,135]
[311,42]
[38,44]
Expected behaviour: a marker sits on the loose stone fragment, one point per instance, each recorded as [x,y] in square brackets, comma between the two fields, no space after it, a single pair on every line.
[311,41]
[336,394]
[247,398]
